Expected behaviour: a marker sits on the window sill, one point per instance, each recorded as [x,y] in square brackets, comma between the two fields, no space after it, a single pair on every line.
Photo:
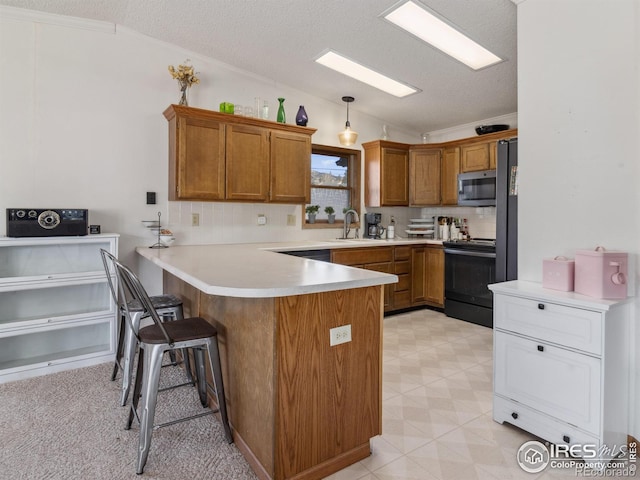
[325,224]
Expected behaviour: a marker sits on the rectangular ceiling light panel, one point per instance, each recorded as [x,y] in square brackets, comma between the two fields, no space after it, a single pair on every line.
[423,24]
[363,74]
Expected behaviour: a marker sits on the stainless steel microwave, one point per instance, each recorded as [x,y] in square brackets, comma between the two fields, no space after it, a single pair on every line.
[477,189]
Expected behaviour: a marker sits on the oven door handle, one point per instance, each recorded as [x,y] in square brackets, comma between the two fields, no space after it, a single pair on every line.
[470,253]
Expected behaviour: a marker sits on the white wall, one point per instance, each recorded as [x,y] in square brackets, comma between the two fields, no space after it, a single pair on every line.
[579,151]
[469,129]
[81,126]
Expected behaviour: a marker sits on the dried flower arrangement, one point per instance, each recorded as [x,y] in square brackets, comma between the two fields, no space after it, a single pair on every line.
[185,76]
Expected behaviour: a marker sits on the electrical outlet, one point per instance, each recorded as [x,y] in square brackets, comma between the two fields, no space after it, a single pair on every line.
[262,219]
[291,220]
[195,219]
[339,335]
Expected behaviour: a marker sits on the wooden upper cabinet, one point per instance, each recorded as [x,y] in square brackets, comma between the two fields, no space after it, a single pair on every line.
[424,177]
[215,156]
[449,179]
[386,170]
[247,155]
[493,155]
[201,141]
[475,157]
[290,168]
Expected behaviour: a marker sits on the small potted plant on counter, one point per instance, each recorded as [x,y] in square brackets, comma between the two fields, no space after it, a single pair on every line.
[331,215]
[312,210]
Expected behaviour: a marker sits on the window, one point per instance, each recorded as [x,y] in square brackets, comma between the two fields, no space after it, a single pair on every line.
[335,182]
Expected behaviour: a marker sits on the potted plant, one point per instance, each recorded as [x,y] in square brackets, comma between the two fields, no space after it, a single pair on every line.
[312,210]
[331,215]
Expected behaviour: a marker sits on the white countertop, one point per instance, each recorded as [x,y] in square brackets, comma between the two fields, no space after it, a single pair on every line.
[535,291]
[257,270]
[348,243]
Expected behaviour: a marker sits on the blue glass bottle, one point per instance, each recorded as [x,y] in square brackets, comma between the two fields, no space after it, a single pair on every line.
[301,117]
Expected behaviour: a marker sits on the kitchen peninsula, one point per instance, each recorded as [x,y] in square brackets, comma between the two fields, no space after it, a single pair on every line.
[299,408]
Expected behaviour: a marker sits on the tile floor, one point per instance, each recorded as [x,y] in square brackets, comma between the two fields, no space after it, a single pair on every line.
[436,408]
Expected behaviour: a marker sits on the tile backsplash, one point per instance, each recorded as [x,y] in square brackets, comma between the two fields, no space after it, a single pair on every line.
[481,220]
[224,222]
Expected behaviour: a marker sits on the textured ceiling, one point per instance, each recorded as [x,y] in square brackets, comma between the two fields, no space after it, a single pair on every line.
[280,39]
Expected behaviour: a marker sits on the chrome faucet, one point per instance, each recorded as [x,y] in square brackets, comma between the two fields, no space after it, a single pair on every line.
[347,222]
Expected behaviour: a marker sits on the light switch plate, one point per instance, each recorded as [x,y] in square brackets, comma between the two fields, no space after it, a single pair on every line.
[262,219]
[339,335]
[291,220]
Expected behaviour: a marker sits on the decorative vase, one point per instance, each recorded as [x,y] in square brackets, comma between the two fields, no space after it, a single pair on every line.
[183,98]
[281,117]
[332,218]
[301,117]
[312,218]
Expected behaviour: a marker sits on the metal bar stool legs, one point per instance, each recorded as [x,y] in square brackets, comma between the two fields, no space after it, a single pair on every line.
[145,394]
[216,370]
[155,339]
[166,306]
[129,350]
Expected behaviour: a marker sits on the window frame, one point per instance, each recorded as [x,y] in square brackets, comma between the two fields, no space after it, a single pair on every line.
[354,157]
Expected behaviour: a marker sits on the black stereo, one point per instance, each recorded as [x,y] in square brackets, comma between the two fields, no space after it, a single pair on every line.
[40,222]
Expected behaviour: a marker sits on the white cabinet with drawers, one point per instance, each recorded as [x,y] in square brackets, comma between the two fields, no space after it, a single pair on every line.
[56,310]
[561,364]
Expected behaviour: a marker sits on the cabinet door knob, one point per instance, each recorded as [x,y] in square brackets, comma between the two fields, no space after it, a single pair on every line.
[566,438]
[540,348]
[514,415]
[541,306]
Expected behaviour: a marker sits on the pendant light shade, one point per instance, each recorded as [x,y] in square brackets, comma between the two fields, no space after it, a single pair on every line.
[347,137]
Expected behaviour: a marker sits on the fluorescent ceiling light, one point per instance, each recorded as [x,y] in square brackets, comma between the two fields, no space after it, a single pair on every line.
[425,25]
[363,74]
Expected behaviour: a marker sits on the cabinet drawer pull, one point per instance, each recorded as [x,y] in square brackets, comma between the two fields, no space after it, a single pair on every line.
[540,348]
[514,415]
[566,438]
[541,306]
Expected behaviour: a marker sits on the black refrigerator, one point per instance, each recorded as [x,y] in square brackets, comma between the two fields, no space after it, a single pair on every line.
[507,211]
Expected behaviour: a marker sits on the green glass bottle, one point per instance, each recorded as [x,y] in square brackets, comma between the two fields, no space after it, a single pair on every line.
[281,118]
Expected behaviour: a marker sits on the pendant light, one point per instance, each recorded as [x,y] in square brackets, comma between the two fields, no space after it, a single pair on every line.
[347,137]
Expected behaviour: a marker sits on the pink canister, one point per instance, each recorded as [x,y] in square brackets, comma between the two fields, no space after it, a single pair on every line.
[601,273]
[558,273]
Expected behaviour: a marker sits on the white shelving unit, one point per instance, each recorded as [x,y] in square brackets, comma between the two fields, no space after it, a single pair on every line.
[56,310]
[561,365]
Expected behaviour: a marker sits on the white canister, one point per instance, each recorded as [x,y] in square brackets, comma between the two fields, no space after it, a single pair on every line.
[391,231]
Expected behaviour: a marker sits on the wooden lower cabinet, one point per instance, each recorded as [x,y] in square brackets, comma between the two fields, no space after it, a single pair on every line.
[427,276]
[402,268]
[420,271]
[298,407]
[379,259]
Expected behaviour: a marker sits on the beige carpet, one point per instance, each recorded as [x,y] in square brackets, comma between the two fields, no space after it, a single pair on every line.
[69,426]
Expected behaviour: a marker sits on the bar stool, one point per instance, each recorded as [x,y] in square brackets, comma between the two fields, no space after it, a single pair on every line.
[169,307]
[188,333]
